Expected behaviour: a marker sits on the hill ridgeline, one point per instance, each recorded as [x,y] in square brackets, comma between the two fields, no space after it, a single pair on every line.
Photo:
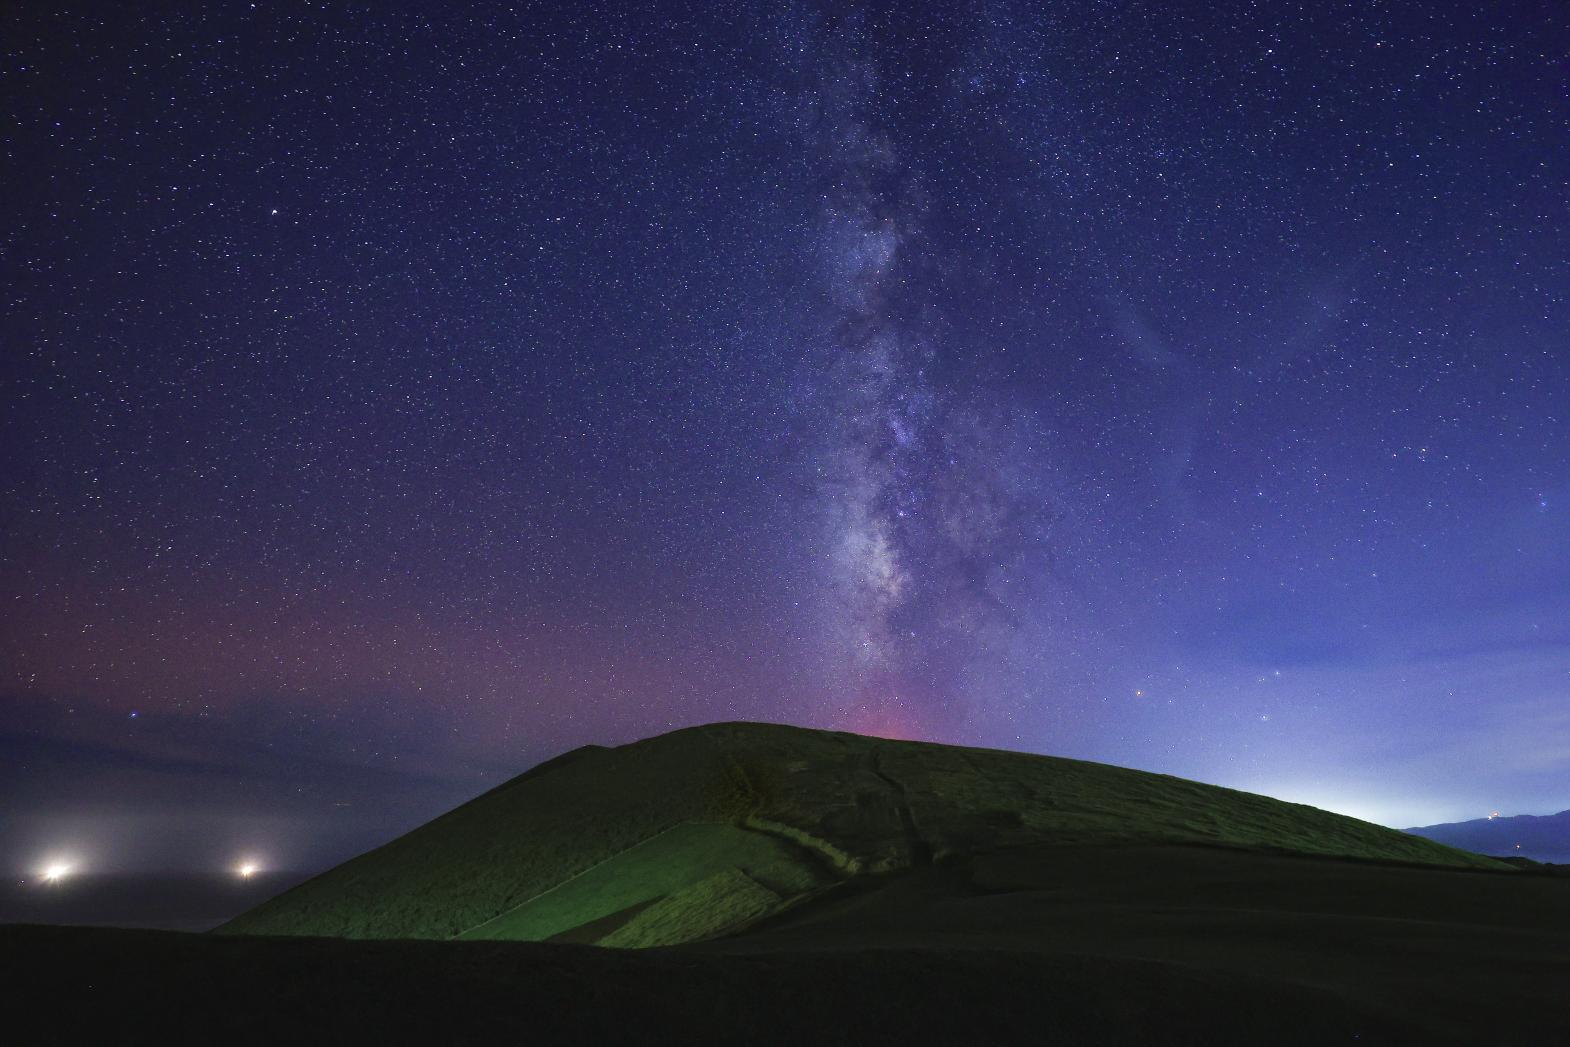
[705,831]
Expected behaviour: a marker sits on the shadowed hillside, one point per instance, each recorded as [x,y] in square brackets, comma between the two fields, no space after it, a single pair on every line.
[705,831]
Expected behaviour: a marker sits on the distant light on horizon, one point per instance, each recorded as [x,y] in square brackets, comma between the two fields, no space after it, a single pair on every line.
[1350,802]
[54,872]
[246,870]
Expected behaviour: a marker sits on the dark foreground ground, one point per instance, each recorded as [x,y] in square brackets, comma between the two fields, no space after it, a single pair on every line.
[1040,945]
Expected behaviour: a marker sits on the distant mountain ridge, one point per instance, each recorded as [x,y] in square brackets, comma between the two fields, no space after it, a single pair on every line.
[1543,838]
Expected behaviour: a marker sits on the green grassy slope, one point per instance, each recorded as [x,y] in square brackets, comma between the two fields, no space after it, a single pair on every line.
[704,830]
[625,885]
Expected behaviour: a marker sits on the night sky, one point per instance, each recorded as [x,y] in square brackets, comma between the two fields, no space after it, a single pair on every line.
[398,395]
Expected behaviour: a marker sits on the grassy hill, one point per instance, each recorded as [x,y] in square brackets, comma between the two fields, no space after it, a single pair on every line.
[709,830]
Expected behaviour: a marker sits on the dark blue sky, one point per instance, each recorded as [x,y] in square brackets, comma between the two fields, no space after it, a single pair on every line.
[398,395]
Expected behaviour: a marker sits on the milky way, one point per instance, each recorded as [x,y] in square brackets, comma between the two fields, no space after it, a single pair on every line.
[932,500]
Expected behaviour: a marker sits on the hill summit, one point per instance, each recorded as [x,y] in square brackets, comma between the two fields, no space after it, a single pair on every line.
[705,831]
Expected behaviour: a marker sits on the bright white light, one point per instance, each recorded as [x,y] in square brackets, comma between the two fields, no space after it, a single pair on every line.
[56,871]
[247,870]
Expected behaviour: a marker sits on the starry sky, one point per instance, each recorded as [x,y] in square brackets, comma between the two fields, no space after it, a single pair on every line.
[400,394]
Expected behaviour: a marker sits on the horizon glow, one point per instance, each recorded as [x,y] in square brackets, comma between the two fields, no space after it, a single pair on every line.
[54,872]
